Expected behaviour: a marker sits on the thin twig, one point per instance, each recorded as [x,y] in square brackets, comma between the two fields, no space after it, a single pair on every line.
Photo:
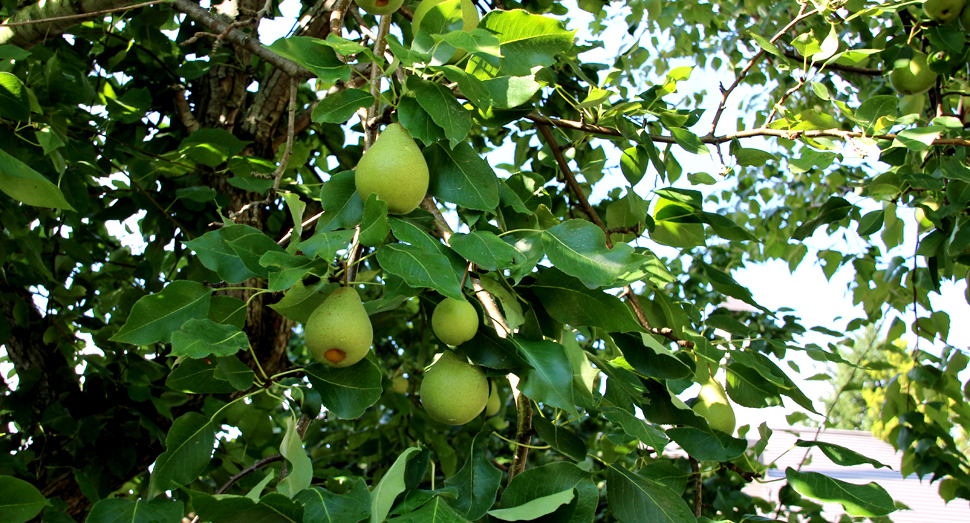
[523,431]
[337,20]
[725,93]
[695,469]
[83,15]
[309,221]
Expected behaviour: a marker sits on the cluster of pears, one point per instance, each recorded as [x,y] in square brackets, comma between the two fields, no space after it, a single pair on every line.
[339,331]
[395,170]
[912,76]
[714,406]
[454,391]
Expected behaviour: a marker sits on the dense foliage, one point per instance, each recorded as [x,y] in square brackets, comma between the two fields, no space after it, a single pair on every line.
[171,379]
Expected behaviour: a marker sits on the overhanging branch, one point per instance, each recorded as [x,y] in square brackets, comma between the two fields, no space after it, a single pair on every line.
[37,22]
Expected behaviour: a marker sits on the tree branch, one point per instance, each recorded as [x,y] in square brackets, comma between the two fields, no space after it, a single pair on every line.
[695,470]
[242,39]
[523,431]
[35,23]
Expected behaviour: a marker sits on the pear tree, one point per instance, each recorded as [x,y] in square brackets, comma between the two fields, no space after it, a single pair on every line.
[455,261]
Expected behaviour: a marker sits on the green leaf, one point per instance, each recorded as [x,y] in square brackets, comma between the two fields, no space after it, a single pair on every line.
[20,182]
[443,107]
[373,225]
[325,244]
[198,377]
[705,446]
[315,55]
[550,380]
[347,391]
[155,317]
[636,427]
[634,499]
[301,469]
[874,108]
[755,157]
[485,249]
[420,268]
[19,501]
[551,479]
[560,438]
[534,508]
[188,450]
[476,483]
[320,505]
[725,284]
[567,300]
[459,175]
[209,146]
[235,372]
[199,338]
[217,255]
[578,248]
[869,500]
[121,510]
[689,141]
[286,269]
[833,210]
[14,102]
[633,164]
[527,41]
[391,484]
[435,511]
[749,389]
[650,358]
[919,139]
[250,246]
[342,206]
[300,301]
[341,106]
[841,455]
[418,122]
[271,508]
[507,92]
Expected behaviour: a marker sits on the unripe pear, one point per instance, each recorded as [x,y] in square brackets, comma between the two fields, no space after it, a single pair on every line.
[454,391]
[395,170]
[713,404]
[494,401]
[379,7]
[339,332]
[943,11]
[454,321]
[912,75]
[399,385]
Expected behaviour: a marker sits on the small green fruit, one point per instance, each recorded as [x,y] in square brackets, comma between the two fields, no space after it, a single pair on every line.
[943,11]
[399,385]
[454,321]
[494,401]
[379,7]
[912,75]
[339,332]
[454,391]
[713,404]
[395,170]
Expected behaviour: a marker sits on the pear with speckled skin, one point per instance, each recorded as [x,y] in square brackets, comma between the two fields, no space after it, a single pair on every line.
[714,406]
[395,170]
[339,332]
[454,391]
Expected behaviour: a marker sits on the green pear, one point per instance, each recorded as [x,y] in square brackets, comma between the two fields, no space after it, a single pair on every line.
[713,404]
[395,170]
[379,7]
[339,332]
[912,75]
[943,11]
[454,321]
[399,385]
[454,391]
[494,401]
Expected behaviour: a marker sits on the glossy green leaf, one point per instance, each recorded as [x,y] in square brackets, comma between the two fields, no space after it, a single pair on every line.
[650,358]
[300,469]
[200,338]
[534,508]
[705,446]
[550,380]
[122,510]
[459,175]
[374,226]
[216,254]
[634,498]
[286,269]
[841,455]
[569,301]
[578,248]
[342,206]
[325,244]
[418,122]
[341,106]
[560,438]
[188,449]
[552,479]
[155,317]
[347,391]
[526,40]
[391,484]
[320,505]
[14,102]
[420,268]
[485,249]
[22,183]
[314,54]
[198,377]
[443,107]
[637,428]
[435,511]
[19,501]
[476,483]
[271,508]
[869,500]
[251,246]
